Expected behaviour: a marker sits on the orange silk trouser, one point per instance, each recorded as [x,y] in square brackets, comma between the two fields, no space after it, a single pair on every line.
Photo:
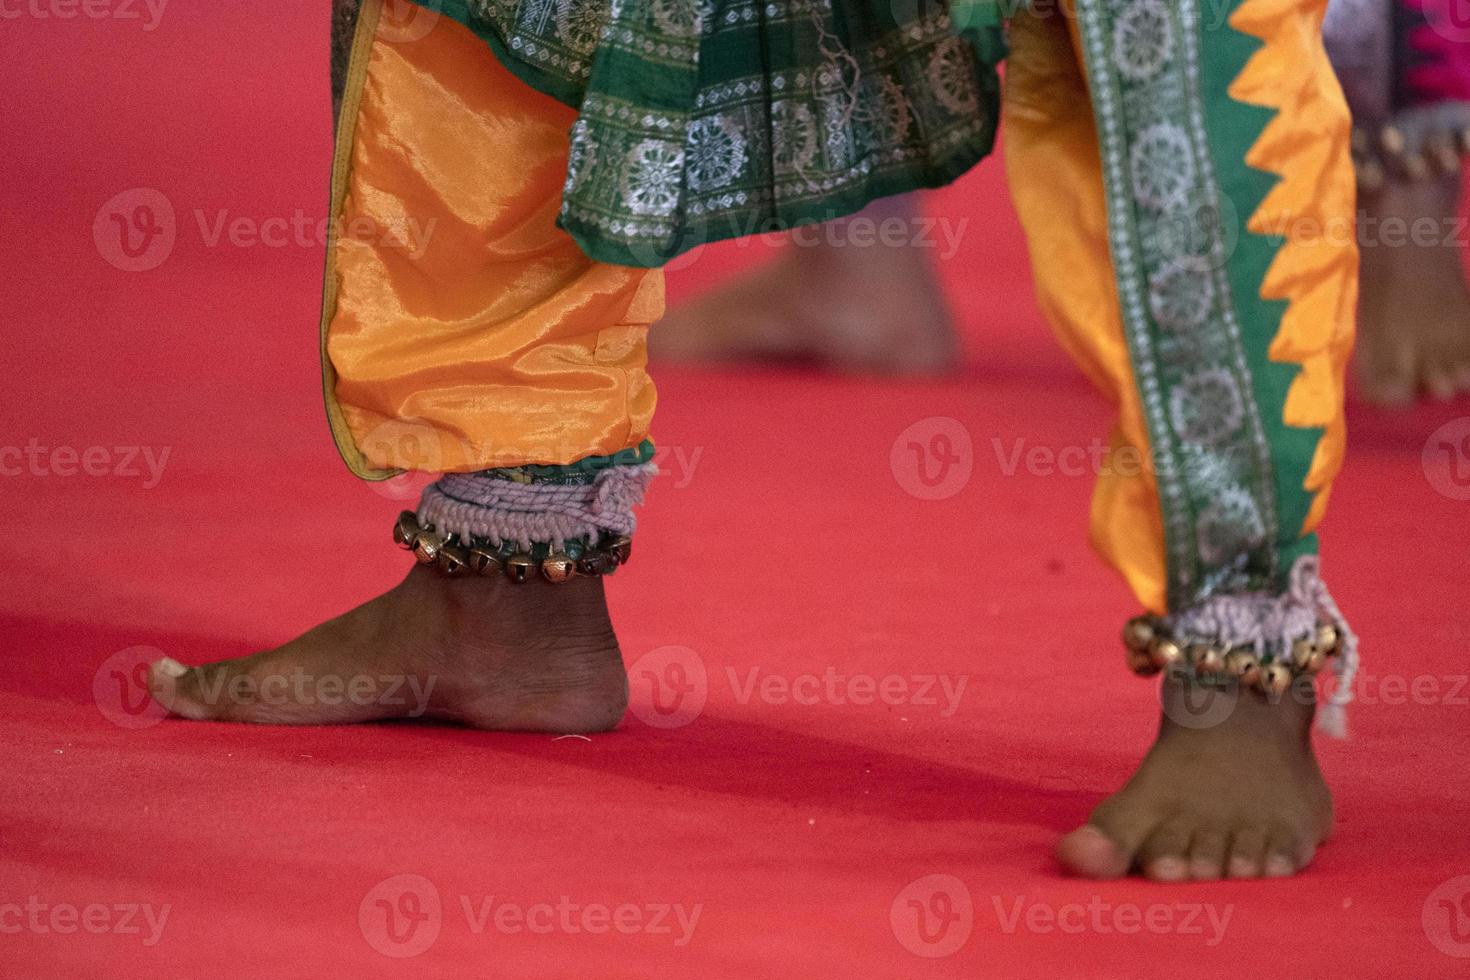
[462,330]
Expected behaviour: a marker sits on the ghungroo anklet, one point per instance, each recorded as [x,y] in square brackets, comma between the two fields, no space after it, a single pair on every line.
[527,522]
[455,555]
[1261,640]
[1433,143]
[1152,647]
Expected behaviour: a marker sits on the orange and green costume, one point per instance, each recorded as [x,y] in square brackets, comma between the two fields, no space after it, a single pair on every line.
[1183,172]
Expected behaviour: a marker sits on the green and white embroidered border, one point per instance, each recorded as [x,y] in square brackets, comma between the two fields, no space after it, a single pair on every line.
[1169,232]
[707,120]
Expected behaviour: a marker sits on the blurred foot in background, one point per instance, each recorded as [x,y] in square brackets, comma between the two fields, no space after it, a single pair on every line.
[859,294]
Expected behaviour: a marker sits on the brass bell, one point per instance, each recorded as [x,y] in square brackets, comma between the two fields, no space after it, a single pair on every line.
[621,549]
[1303,651]
[520,567]
[427,546]
[558,568]
[484,561]
[1275,678]
[1329,640]
[1138,633]
[406,530]
[1206,659]
[1166,654]
[1141,663]
[594,563]
[1243,666]
[454,560]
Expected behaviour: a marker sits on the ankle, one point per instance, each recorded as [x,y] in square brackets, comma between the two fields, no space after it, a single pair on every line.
[1190,704]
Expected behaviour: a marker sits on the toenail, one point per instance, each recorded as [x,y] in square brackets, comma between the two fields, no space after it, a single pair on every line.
[170,667]
[1278,866]
[1240,868]
[1167,869]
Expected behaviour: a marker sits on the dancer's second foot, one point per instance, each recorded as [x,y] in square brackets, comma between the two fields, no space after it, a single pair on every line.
[875,309]
[1414,327]
[1241,798]
[477,651]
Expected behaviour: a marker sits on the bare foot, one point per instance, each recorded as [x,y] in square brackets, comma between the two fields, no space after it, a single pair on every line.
[1414,319]
[477,651]
[868,308]
[1230,790]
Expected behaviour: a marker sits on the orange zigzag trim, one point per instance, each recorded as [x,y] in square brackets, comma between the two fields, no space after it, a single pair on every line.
[1315,271]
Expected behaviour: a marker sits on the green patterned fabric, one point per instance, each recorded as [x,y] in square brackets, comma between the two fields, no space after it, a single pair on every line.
[702,120]
[1233,126]
[1179,193]
[584,470]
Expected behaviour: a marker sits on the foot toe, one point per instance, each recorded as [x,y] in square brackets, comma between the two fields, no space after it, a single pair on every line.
[1163,854]
[1440,385]
[1247,853]
[1207,855]
[1282,850]
[177,688]
[1091,853]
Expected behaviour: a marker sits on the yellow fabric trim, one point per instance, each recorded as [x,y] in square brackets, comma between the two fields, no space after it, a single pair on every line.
[1055,171]
[362,41]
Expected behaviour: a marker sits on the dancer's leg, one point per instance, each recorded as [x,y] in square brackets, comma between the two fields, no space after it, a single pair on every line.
[464,333]
[1150,137]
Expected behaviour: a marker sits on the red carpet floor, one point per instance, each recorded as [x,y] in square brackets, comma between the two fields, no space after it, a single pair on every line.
[780,830]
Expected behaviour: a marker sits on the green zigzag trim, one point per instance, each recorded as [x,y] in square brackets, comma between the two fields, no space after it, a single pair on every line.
[1233,128]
